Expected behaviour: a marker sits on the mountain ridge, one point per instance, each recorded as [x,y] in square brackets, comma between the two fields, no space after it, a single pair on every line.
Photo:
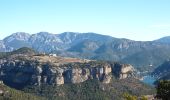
[165,39]
[90,46]
[63,78]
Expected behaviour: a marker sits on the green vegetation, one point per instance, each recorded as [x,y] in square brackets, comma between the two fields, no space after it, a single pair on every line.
[3,54]
[129,88]
[163,90]
[8,93]
[92,90]
[24,50]
[129,97]
[89,90]
[153,56]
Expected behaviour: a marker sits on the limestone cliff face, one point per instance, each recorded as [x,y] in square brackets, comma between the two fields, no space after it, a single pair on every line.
[36,73]
[123,71]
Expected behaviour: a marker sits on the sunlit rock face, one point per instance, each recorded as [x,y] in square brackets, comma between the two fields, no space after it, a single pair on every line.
[126,71]
[123,71]
[59,80]
[20,71]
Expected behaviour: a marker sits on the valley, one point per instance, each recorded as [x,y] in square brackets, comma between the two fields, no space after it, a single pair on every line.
[82,65]
[69,78]
[84,50]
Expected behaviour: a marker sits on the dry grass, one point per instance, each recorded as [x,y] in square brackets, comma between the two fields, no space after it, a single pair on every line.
[55,60]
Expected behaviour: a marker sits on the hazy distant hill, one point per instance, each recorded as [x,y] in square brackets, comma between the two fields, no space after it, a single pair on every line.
[164,40]
[92,46]
[149,58]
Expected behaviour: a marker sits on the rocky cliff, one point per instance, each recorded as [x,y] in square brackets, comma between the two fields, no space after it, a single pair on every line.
[37,69]
[93,46]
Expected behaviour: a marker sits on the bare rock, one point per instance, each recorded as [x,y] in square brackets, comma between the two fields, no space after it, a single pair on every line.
[107,79]
[59,80]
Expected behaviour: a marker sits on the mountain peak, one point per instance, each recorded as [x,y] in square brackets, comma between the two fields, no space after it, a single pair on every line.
[68,34]
[90,46]
[44,33]
[18,36]
[68,37]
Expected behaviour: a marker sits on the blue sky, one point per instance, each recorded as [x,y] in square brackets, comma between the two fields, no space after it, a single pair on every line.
[133,19]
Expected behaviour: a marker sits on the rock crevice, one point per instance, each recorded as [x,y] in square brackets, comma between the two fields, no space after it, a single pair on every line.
[26,72]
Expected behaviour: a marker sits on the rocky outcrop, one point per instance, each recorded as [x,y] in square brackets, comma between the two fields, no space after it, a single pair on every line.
[107,79]
[37,73]
[92,46]
[77,75]
[123,71]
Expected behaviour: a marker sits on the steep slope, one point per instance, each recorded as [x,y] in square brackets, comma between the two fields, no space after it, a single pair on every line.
[17,40]
[149,58]
[93,90]
[164,39]
[92,46]
[21,70]
[52,42]
[165,77]
[79,37]
[7,93]
[46,42]
[61,78]
[2,46]
[163,71]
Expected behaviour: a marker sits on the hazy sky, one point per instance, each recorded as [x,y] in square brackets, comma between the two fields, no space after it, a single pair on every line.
[133,19]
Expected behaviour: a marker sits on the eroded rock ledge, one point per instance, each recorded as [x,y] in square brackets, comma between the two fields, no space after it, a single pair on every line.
[30,71]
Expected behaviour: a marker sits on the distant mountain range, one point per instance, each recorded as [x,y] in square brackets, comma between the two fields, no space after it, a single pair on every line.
[164,39]
[143,55]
